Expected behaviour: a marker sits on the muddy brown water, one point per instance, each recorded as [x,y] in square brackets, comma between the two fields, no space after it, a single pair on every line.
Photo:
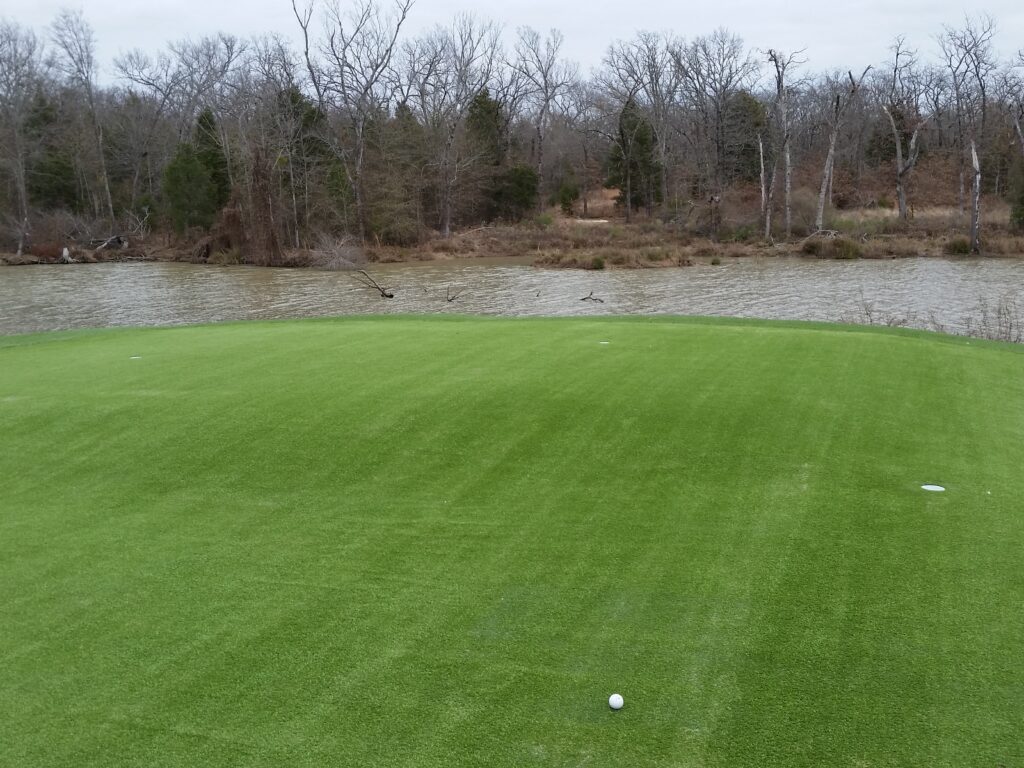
[924,293]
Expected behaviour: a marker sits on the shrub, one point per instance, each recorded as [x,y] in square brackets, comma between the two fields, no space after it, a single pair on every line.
[566,197]
[743,234]
[833,248]
[596,263]
[444,246]
[400,232]
[813,247]
[843,248]
[231,256]
[804,207]
[957,246]
[716,261]
[544,220]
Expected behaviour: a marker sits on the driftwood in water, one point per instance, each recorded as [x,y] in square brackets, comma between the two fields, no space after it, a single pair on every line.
[369,282]
[592,297]
[449,296]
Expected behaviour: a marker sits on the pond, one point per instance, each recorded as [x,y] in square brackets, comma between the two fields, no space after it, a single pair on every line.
[956,295]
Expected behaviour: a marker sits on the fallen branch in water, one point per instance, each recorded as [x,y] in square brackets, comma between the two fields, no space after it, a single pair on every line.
[592,297]
[369,282]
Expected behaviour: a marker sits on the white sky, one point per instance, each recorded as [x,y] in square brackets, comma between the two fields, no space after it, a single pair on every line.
[850,34]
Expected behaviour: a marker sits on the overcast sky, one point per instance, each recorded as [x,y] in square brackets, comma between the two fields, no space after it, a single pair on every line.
[848,34]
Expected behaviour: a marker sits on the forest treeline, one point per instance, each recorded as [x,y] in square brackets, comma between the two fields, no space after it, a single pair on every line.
[366,132]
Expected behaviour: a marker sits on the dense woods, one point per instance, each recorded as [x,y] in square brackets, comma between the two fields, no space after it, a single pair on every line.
[364,133]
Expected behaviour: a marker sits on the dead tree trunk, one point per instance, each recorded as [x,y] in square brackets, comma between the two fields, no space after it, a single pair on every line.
[903,165]
[975,201]
[764,180]
[768,204]
[782,64]
[839,108]
[789,186]
[826,181]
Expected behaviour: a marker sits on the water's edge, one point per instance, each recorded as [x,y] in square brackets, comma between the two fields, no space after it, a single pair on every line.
[959,296]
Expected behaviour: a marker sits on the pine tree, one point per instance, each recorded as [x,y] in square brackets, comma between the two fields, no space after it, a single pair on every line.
[632,164]
[190,193]
[210,153]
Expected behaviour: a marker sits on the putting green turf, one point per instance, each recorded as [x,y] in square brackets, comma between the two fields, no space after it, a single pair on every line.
[427,542]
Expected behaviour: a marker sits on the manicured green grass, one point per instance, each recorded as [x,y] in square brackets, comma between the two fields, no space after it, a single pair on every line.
[427,542]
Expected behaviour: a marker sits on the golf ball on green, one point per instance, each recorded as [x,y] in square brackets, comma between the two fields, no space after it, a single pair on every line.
[615,701]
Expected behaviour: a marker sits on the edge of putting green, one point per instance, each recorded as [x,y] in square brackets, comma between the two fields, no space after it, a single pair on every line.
[736,323]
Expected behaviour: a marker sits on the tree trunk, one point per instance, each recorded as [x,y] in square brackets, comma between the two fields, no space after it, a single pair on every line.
[295,200]
[901,194]
[103,171]
[663,181]
[768,204]
[789,188]
[21,185]
[586,175]
[629,191]
[357,189]
[540,162]
[826,181]
[960,187]
[446,210]
[975,201]
[764,181]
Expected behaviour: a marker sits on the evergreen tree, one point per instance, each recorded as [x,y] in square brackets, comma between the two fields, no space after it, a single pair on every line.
[190,192]
[514,193]
[51,178]
[632,163]
[745,118]
[210,153]
[486,125]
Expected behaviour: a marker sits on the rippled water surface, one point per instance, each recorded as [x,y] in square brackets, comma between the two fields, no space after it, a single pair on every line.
[926,293]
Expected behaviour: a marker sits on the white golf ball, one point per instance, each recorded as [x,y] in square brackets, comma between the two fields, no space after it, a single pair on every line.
[615,701]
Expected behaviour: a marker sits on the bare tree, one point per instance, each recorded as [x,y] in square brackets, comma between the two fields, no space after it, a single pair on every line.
[619,82]
[579,108]
[75,41]
[352,76]
[969,58]
[21,67]
[781,64]
[842,98]
[1011,93]
[547,76]
[660,79]
[1017,109]
[901,103]
[448,68]
[713,69]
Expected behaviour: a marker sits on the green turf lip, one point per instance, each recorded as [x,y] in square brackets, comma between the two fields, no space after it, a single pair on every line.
[13,340]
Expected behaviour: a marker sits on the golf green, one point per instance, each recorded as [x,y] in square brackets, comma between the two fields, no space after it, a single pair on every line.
[440,542]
